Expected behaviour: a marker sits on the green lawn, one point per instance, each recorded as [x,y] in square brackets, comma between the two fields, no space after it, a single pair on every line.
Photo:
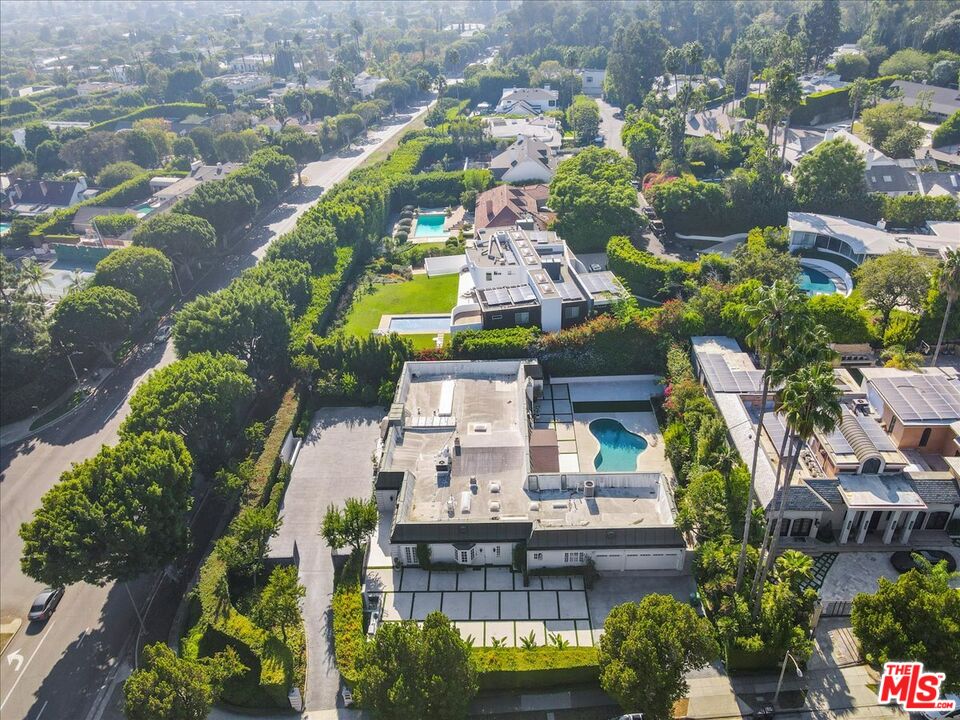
[420,295]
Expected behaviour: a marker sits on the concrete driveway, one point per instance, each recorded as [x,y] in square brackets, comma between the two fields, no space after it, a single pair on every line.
[334,464]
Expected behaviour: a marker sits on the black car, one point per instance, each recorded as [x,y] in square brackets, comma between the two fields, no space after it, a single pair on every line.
[904,561]
[44,604]
[649,212]
[657,227]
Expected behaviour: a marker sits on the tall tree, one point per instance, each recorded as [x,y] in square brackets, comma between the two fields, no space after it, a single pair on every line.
[412,672]
[351,526]
[821,23]
[244,547]
[185,239]
[634,60]
[912,619]
[949,286]
[115,516]
[279,603]
[897,279]
[646,650]
[97,317]
[168,687]
[810,402]
[831,180]
[203,398]
[144,272]
[774,320]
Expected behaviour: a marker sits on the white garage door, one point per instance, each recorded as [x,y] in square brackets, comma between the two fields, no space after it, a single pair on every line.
[651,560]
[611,560]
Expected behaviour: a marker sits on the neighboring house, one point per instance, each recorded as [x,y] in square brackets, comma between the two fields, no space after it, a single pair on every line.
[808,84]
[244,83]
[888,470]
[544,129]
[940,101]
[246,64]
[526,277]
[593,81]
[526,160]
[527,101]
[39,197]
[856,241]
[182,187]
[121,73]
[937,184]
[669,85]
[364,83]
[465,471]
[97,86]
[506,205]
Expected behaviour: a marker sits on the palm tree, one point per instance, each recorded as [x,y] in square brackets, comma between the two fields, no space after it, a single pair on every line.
[671,63]
[78,281]
[341,82]
[897,356]
[441,84]
[773,318]
[858,93]
[810,400]
[356,29]
[949,288]
[33,275]
[793,567]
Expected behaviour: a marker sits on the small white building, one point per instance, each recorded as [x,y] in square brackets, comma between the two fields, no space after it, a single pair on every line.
[527,101]
[593,81]
[364,84]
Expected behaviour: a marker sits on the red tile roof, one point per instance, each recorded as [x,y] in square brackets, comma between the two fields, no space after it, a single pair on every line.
[503,205]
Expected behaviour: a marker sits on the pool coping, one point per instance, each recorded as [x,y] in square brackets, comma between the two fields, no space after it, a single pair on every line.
[444,233]
[384,327]
[832,271]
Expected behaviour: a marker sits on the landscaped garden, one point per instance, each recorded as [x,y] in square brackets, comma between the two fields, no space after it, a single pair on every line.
[422,294]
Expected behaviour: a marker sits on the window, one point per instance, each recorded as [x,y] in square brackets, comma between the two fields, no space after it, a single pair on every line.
[573,311]
[496,317]
[937,521]
[589,79]
[574,558]
[538,556]
[925,437]
[785,528]
[489,277]
[801,527]
[496,551]
[464,557]
[409,555]
[893,425]
[521,318]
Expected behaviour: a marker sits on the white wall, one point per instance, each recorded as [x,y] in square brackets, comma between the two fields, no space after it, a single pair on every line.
[484,553]
[611,560]
[528,170]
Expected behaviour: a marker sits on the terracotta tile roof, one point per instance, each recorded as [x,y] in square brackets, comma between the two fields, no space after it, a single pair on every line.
[503,205]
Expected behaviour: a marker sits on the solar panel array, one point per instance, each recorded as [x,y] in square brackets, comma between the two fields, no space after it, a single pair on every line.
[508,296]
[569,291]
[723,378]
[876,434]
[599,283]
[839,443]
[919,398]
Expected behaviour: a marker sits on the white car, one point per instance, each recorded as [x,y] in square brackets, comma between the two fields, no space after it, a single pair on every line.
[163,332]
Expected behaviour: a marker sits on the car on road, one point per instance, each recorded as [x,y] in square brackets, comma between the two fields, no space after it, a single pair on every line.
[163,332]
[598,140]
[44,604]
[903,561]
[347,696]
[650,212]
[657,227]
[629,716]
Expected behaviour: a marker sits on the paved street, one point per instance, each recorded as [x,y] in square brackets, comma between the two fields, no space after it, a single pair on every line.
[610,127]
[66,662]
[334,464]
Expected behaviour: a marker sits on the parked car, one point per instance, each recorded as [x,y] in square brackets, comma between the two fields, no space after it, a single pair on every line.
[163,332]
[44,604]
[944,714]
[657,227]
[904,561]
[630,716]
[595,267]
[347,696]
[598,140]
[649,212]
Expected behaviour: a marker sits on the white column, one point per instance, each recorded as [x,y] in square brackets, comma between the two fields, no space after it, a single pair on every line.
[864,524]
[814,526]
[847,524]
[908,528]
[891,526]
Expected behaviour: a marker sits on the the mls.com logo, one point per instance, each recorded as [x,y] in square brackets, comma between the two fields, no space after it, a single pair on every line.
[906,684]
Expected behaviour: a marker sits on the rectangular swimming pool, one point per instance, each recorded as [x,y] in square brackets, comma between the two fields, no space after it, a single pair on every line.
[430,225]
[417,325]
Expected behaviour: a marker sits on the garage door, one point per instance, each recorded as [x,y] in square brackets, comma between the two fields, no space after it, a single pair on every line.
[609,561]
[651,560]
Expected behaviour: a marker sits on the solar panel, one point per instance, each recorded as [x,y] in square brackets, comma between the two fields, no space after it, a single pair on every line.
[600,282]
[722,378]
[918,398]
[839,443]
[569,291]
[876,434]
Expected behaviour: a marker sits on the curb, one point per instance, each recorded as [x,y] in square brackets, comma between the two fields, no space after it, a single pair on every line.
[30,433]
[11,627]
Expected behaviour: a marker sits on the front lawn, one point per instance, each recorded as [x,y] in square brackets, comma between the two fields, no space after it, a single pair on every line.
[420,295]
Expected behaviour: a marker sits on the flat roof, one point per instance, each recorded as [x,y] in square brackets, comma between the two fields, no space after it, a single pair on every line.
[916,398]
[867,239]
[725,368]
[883,492]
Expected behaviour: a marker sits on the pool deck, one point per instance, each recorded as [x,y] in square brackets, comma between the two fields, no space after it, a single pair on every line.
[384,327]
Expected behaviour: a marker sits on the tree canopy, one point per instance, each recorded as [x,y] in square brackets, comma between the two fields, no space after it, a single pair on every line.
[203,398]
[897,279]
[115,516]
[352,525]
[96,317]
[144,272]
[646,650]
[831,180]
[185,239]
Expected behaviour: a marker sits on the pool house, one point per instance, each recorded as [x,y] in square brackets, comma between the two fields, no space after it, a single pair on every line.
[480,457]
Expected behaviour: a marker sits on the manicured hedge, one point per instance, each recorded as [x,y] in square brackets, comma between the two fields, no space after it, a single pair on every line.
[816,107]
[347,607]
[543,667]
[643,273]
[515,342]
[168,110]
[323,301]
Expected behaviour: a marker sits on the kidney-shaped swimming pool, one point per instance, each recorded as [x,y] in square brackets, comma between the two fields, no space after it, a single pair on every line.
[619,448]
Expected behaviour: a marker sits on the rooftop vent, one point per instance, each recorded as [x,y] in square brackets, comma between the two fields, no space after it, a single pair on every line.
[494,487]
[494,506]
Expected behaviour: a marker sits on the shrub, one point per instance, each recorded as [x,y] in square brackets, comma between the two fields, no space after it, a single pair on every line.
[644,273]
[516,342]
[949,131]
[541,667]
[115,225]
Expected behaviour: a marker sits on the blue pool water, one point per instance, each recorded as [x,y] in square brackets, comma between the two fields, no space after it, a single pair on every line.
[430,224]
[414,325]
[619,448]
[814,282]
[4,228]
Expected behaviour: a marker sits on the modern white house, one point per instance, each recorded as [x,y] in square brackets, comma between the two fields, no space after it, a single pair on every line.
[526,160]
[521,276]
[473,468]
[544,129]
[889,470]
[852,241]
[527,101]
[592,80]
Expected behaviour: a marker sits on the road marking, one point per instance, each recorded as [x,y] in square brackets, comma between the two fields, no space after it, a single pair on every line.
[15,657]
[42,708]
[83,636]
[30,660]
